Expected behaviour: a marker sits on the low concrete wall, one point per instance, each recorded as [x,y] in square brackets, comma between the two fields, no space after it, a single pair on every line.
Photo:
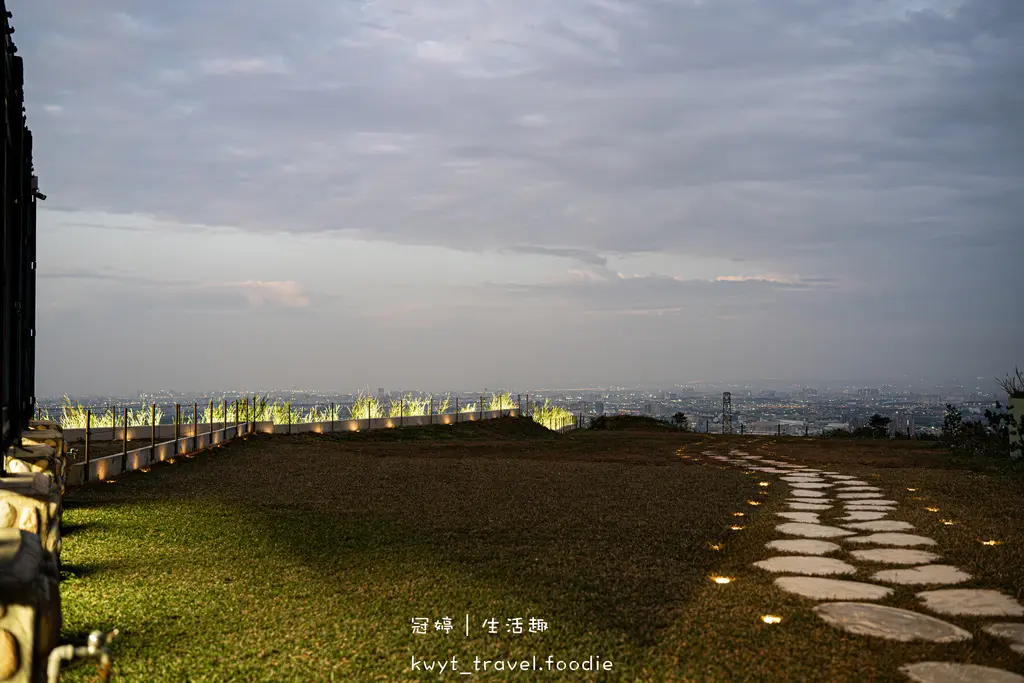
[111,466]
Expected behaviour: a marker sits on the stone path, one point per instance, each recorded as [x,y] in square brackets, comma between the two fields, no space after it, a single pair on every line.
[858,527]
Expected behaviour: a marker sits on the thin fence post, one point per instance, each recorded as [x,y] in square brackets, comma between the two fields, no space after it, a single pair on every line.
[778,429]
[289,417]
[431,412]
[805,430]
[332,417]
[236,417]
[88,429]
[401,412]
[124,442]
[224,436]
[113,421]
[177,427]
[195,426]
[519,405]
[481,408]
[456,410]
[527,405]
[152,432]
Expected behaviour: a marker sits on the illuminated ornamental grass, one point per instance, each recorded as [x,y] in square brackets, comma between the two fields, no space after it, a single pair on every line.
[262,409]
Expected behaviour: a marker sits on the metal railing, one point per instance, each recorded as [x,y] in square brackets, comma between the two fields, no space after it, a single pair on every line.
[17,301]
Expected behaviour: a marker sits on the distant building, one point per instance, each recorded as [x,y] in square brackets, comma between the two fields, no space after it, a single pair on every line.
[869,393]
[903,424]
[599,407]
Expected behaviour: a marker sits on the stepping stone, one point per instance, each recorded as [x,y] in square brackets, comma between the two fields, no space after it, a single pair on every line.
[893,539]
[895,555]
[811,517]
[880,525]
[797,505]
[831,589]
[809,485]
[805,480]
[1009,631]
[928,574]
[854,482]
[803,546]
[857,489]
[971,601]
[863,516]
[949,672]
[812,530]
[803,493]
[859,496]
[903,625]
[855,504]
[841,477]
[806,564]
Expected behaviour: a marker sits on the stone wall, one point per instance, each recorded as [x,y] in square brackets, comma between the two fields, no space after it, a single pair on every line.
[30,513]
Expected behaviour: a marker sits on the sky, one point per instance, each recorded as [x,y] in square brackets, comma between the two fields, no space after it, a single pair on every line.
[521,193]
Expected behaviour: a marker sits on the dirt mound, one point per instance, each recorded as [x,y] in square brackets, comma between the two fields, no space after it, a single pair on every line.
[629,422]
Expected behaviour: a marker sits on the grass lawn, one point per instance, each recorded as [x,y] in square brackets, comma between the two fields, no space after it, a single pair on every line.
[306,557]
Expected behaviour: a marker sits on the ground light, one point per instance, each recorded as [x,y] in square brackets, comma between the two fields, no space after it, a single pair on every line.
[763,483]
[948,522]
[721,579]
[991,542]
[737,514]
[753,502]
[715,546]
[909,489]
[736,527]
[932,509]
[771,619]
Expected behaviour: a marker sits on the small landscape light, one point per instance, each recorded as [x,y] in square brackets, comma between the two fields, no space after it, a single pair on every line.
[721,579]
[110,481]
[763,483]
[715,546]
[910,489]
[948,522]
[736,527]
[737,514]
[991,542]
[145,469]
[753,502]
[932,509]
[771,619]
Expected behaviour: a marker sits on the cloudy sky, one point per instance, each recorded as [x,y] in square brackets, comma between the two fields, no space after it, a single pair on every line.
[523,193]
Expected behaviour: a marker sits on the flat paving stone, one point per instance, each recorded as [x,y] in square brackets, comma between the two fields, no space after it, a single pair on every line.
[812,530]
[928,574]
[971,602]
[952,672]
[806,564]
[859,496]
[895,555]
[857,489]
[831,589]
[863,516]
[803,546]
[1014,632]
[804,493]
[799,505]
[891,623]
[841,477]
[880,525]
[893,539]
[854,482]
[811,517]
[871,502]
[810,485]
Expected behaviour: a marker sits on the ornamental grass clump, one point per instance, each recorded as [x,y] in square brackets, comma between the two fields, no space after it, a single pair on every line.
[366,408]
[552,417]
[407,406]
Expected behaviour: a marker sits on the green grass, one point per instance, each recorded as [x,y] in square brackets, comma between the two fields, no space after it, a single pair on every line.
[304,558]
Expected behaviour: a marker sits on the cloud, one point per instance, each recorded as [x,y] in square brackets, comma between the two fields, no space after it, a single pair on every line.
[581,255]
[287,294]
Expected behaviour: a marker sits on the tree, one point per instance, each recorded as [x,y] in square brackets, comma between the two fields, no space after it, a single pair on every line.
[680,420]
[879,426]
